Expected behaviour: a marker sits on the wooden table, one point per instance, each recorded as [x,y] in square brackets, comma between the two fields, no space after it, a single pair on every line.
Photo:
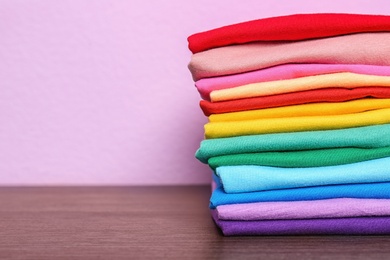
[147,222]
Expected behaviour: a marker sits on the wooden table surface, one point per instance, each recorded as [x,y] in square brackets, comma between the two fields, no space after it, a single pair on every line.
[147,223]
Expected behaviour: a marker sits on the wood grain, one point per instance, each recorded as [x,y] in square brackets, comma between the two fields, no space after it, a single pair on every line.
[147,223]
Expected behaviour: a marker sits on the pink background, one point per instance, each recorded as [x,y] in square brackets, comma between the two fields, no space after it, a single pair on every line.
[98,92]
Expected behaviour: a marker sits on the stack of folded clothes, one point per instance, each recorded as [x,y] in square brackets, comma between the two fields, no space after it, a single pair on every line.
[298,136]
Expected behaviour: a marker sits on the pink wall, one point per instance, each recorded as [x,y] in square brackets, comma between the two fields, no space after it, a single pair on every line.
[98,92]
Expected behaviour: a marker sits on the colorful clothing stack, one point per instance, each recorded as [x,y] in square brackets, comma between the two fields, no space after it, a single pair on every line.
[298,136]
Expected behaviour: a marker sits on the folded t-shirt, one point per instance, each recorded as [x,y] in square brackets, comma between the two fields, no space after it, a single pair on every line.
[294,98]
[341,79]
[296,124]
[290,27]
[362,191]
[361,48]
[314,109]
[325,226]
[306,209]
[248,178]
[358,137]
[305,158]
[285,71]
